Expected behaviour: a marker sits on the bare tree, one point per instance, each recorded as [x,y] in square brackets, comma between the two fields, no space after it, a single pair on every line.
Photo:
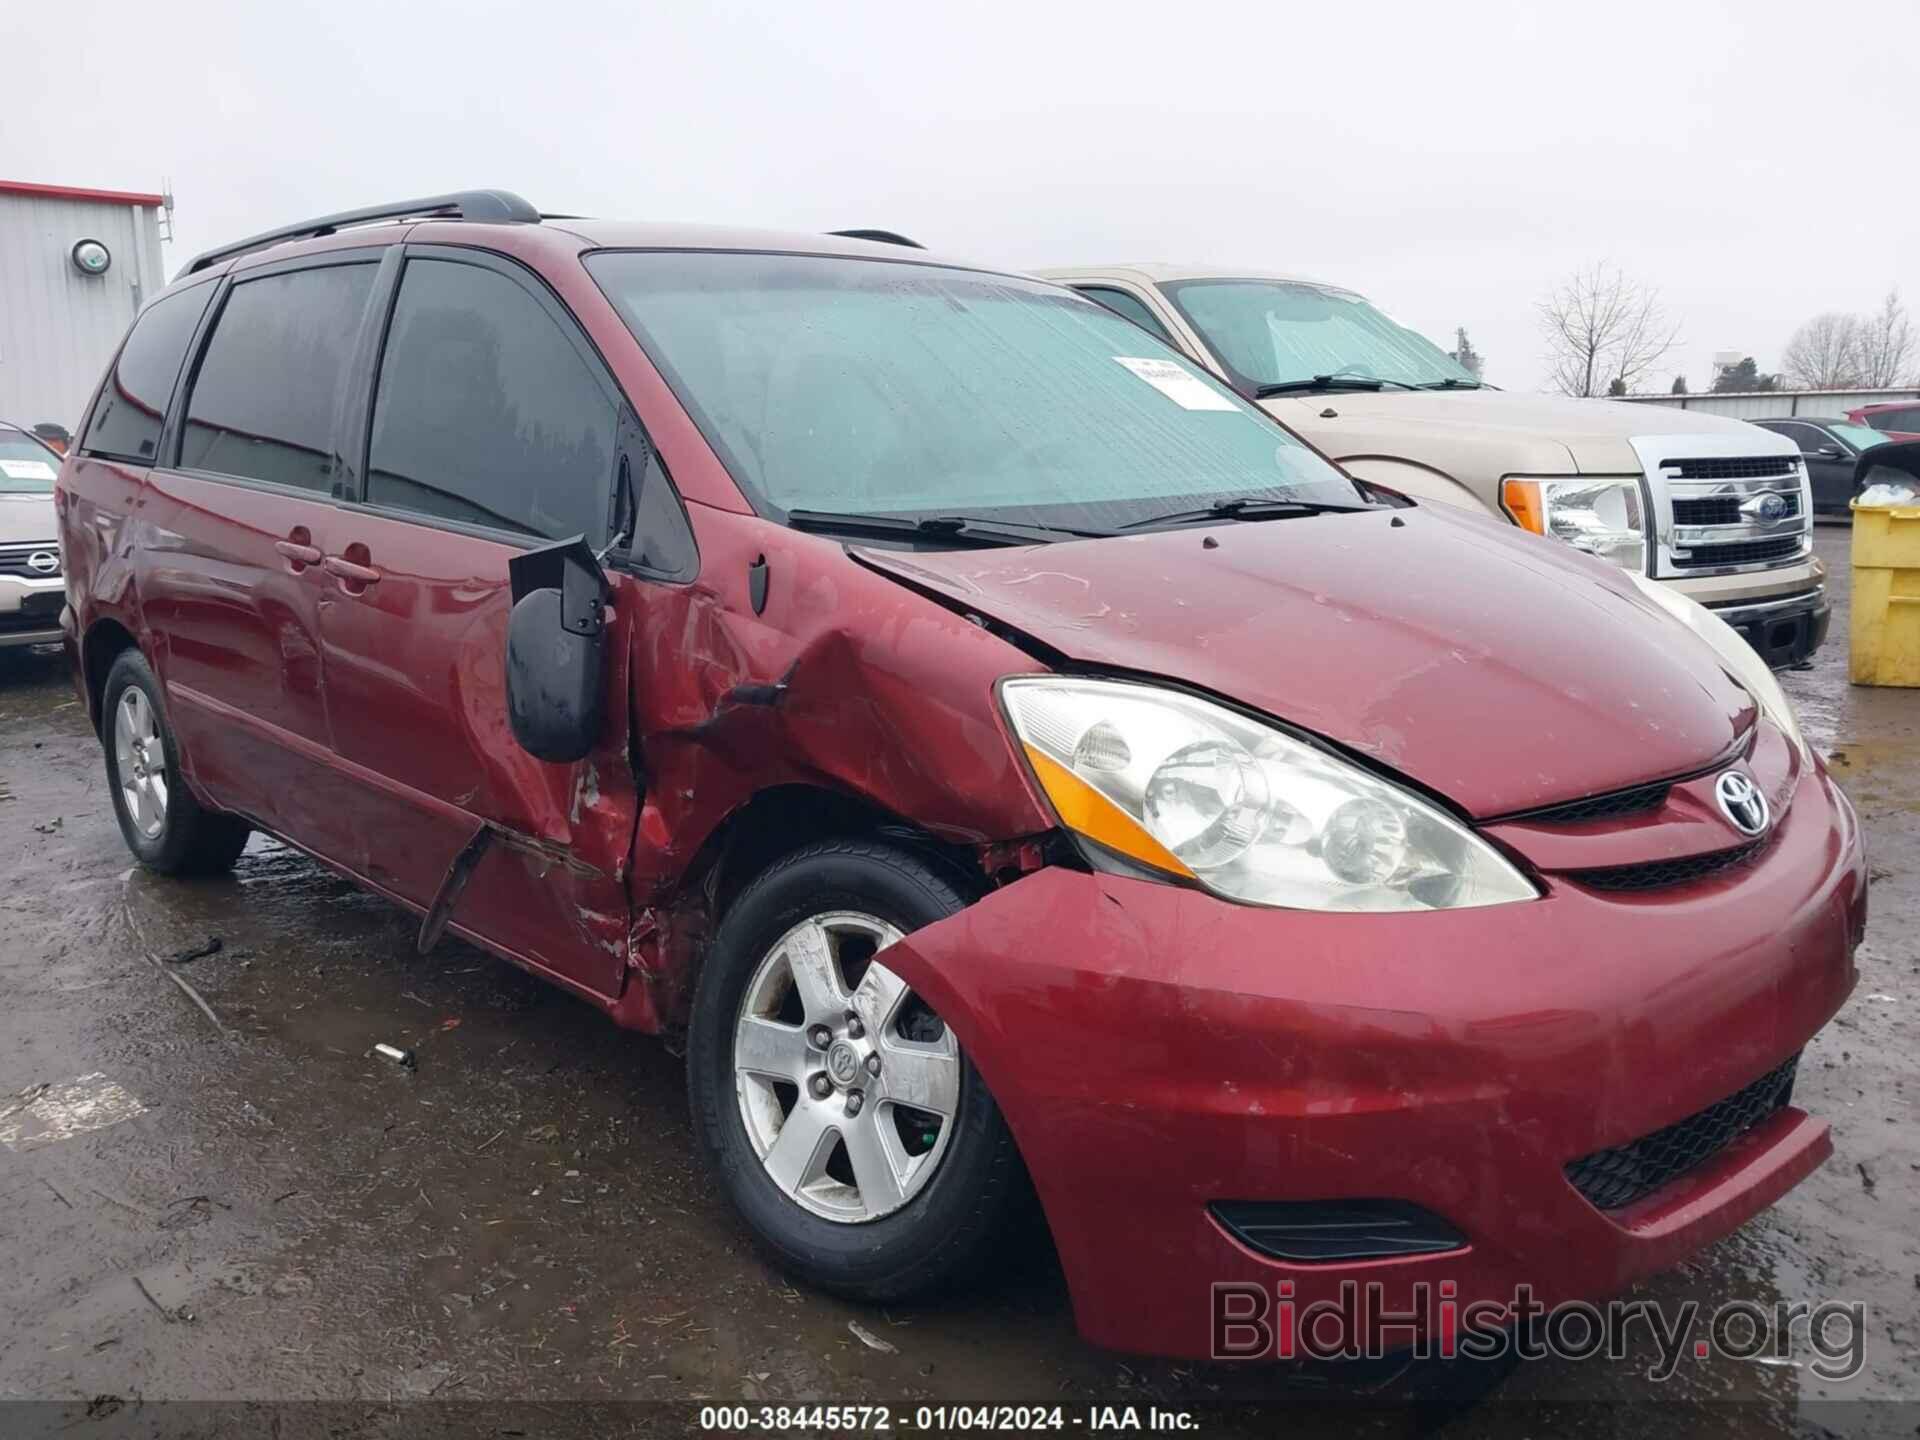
[1885,344]
[1604,331]
[1825,353]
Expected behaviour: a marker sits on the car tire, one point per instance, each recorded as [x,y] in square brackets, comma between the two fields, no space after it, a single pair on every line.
[944,1229]
[165,826]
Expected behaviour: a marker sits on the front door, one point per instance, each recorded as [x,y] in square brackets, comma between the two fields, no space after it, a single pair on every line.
[492,429]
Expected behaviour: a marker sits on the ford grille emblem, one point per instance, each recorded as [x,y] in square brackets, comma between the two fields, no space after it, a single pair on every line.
[1741,802]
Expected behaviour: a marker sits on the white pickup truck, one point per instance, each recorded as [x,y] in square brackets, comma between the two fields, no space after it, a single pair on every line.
[1719,509]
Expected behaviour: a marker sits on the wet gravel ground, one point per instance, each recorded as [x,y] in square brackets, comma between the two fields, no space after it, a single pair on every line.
[277,1214]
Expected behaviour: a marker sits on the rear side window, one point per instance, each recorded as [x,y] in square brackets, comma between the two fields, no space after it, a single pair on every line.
[1129,307]
[487,412]
[133,403]
[1894,419]
[262,406]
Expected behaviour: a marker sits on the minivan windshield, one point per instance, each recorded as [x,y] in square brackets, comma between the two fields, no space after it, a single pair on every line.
[882,388]
[26,466]
[1286,332]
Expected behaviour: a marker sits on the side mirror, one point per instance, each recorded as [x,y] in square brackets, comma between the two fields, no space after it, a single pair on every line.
[555,669]
[1830,452]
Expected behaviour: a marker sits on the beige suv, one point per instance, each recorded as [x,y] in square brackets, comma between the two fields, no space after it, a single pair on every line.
[1719,509]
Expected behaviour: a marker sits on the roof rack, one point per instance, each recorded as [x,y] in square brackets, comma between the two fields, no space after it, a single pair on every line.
[494,205]
[879,237]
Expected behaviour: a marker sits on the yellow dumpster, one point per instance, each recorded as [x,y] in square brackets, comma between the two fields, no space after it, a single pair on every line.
[1885,638]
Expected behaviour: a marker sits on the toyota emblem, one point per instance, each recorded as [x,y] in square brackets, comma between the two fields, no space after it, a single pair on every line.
[1741,802]
[43,562]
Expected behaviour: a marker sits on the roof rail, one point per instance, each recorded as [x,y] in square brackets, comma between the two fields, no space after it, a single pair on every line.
[494,205]
[879,237]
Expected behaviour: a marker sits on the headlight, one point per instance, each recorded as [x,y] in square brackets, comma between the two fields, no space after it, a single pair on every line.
[1741,660]
[1601,517]
[1194,790]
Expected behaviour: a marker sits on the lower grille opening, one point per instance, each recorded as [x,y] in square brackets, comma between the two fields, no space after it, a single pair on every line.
[1324,1231]
[1614,1178]
[1741,552]
[1655,874]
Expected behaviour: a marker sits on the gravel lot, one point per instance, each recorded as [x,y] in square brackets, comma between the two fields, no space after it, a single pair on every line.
[277,1215]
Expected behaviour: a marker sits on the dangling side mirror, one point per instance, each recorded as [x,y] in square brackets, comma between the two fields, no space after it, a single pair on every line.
[555,669]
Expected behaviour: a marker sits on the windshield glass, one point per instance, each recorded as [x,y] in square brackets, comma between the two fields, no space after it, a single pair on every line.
[903,389]
[1858,436]
[1271,332]
[26,466]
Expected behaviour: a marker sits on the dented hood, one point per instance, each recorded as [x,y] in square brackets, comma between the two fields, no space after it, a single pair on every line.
[1492,667]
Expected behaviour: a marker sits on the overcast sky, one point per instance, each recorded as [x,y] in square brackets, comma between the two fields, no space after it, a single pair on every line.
[1754,161]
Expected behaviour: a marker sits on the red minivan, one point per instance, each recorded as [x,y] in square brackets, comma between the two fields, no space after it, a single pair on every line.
[1002,750]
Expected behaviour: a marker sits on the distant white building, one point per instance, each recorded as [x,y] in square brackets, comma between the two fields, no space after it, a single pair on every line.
[75,267]
[1776,404]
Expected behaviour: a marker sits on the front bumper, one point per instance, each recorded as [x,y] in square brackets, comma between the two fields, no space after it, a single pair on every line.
[30,610]
[1156,1050]
[1784,631]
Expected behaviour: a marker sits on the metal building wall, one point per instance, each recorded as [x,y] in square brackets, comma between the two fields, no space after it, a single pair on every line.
[58,327]
[1775,404]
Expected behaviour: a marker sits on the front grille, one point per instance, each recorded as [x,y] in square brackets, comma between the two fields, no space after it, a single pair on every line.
[14,558]
[1725,509]
[1756,468]
[1656,874]
[1636,801]
[1741,552]
[1613,1178]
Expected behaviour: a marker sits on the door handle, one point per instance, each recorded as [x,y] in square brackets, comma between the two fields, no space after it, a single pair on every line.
[296,552]
[343,569]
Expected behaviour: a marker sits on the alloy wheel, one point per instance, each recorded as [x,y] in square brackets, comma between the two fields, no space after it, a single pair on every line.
[140,757]
[848,1083]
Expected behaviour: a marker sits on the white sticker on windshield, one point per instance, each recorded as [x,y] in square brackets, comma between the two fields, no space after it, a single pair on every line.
[1177,383]
[26,469]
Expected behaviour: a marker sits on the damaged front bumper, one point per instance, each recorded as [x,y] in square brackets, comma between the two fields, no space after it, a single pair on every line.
[1158,1052]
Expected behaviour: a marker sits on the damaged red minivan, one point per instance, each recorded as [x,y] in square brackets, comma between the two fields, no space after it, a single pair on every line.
[1002,750]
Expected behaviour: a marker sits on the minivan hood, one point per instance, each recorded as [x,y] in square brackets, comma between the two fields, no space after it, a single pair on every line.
[27,519]
[1540,433]
[1497,669]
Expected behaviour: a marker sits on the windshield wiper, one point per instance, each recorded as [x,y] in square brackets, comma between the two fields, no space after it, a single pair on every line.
[1334,381]
[1450,384]
[1244,507]
[964,528]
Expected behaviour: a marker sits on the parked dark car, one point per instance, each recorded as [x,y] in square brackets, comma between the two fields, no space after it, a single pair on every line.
[1831,448]
[999,748]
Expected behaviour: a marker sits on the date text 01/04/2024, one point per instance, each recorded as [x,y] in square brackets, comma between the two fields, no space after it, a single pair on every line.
[939,1418]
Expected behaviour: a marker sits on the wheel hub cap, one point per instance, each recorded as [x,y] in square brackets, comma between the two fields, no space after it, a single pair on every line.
[843,1064]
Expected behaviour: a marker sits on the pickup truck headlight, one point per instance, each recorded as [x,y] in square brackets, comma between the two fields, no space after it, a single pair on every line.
[1601,517]
[1191,789]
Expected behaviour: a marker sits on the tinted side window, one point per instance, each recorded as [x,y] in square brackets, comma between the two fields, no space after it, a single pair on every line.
[126,422]
[487,412]
[262,405]
[1895,420]
[1808,438]
[1131,308]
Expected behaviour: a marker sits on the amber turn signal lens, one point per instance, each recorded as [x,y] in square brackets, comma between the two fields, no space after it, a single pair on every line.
[1521,500]
[1083,808]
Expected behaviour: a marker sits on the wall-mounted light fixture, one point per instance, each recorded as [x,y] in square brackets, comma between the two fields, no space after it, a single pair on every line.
[90,257]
